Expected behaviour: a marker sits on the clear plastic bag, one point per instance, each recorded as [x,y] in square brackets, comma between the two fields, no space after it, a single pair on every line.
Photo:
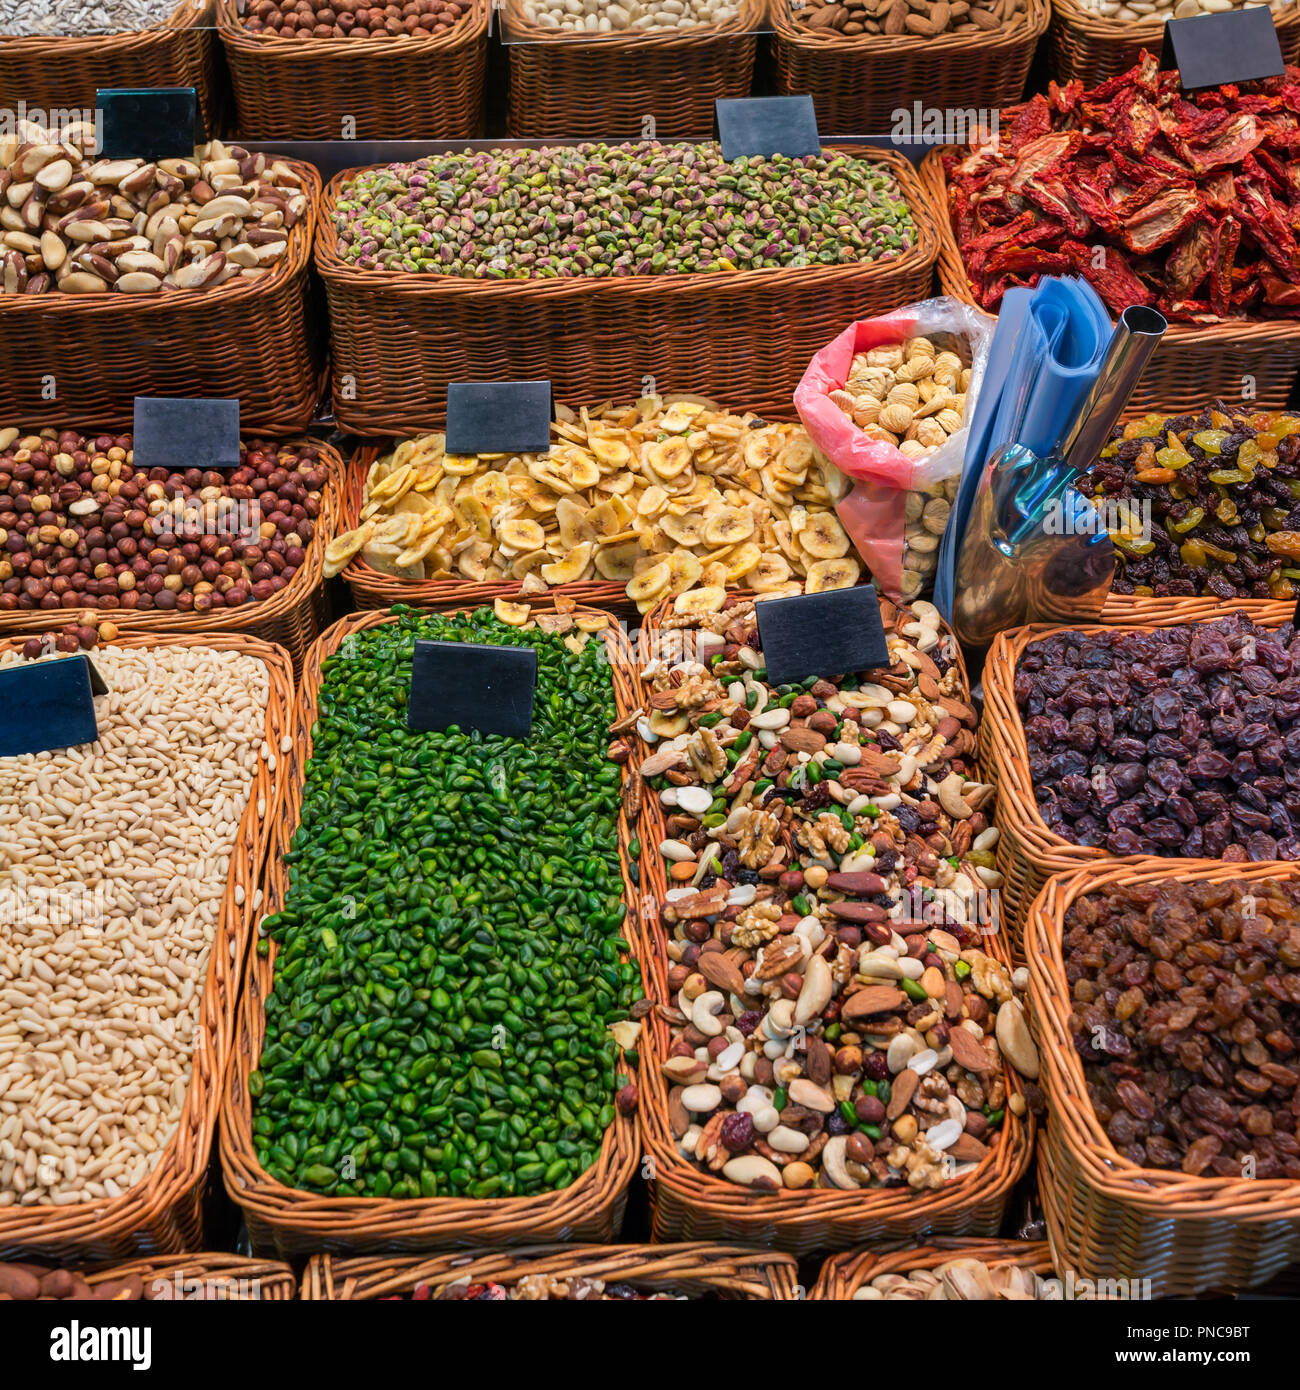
[894,507]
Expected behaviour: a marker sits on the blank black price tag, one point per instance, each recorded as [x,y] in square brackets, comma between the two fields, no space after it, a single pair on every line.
[186,432]
[831,634]
[766,126]
[485,688]
[1234,46]
[499,417]
[149,122]
[48,705]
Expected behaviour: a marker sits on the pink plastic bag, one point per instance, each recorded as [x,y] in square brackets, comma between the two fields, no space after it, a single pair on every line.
[877,476]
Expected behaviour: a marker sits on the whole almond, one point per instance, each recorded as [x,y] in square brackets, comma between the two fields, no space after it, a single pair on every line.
[967,1052]
[718,970]
[895,17]
[902,1089]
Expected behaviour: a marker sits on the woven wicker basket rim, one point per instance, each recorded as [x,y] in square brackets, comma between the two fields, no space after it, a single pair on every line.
[137,309]
[245,1179]
[1032,25]
[1166,1194]
[843,1274]
[251,615]
[924,248]
[469,27]
[1245,332]
[280,1278]
[183,1162]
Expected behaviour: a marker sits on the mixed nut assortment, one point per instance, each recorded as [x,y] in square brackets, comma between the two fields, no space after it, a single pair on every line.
[664,495]
[958,1280]
[1185,1005]
[913,395]
[1173,741]
[641,208]
[834,1019]
[923,19]
[115,858]
[352,19]
[449,967]
[73,223]
[82,528]
[616,16]
[1223,493]
[1180,200]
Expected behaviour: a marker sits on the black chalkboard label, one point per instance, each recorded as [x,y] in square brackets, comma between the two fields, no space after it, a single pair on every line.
[830,634]
[48,705]
[1234,46]
[149,122]
[186,432]
[474,687]
[766,126]
[499,417]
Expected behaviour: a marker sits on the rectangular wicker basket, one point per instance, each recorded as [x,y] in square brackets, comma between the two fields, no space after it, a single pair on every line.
[1192,365]
[689,1204]
[1108,1218]
[859,81]
[703,1271]
[164,1212]
[377,88]
[290,1222]
[399,337]
[584,87]
[80,360]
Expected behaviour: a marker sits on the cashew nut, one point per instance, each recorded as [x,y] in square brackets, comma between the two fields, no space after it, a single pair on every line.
[833,1164]
[951,799]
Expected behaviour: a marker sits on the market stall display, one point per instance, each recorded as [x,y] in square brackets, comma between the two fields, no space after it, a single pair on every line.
[838,1027]
[504,1107]
[116,284]
[1156,198]
[86,533]
[356,71]
[575,1273]
[1201,1028]
[56,55]
[632,502]
[598,300]
[889,65]
[160,910]
[602,73]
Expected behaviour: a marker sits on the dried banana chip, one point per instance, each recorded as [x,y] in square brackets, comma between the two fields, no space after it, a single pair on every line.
[831,574]
[572,567]
[514,614]
[651,582]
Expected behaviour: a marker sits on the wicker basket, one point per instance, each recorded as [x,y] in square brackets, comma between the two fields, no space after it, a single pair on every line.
[59,72]
[1108,1218]
[399,337]
[253,339]
[292,618]
[581,87]
[274,1283]
[1141,610]
[292,1222]
[1192,364]
[164,1212]
[1090,48]
[702,1271]
[1028,853]
[858,81]
[687,1203]
[843,1275]
[390,88]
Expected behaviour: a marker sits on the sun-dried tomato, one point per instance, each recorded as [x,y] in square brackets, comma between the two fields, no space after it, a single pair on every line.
[1227,238]
[1164,219]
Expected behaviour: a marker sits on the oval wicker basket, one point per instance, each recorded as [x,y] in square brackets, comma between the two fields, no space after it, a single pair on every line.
[229,1276]
[1028,853]
[859,81]
[63,71]
[257,340]
[291,1222]
[702,1271]
[1108,1218]
[584,87]
[1090,48]
[687,1203]
[390,88]
[291,618]
[399,337]
[1193,363]
[844,1274]
[164,1211]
